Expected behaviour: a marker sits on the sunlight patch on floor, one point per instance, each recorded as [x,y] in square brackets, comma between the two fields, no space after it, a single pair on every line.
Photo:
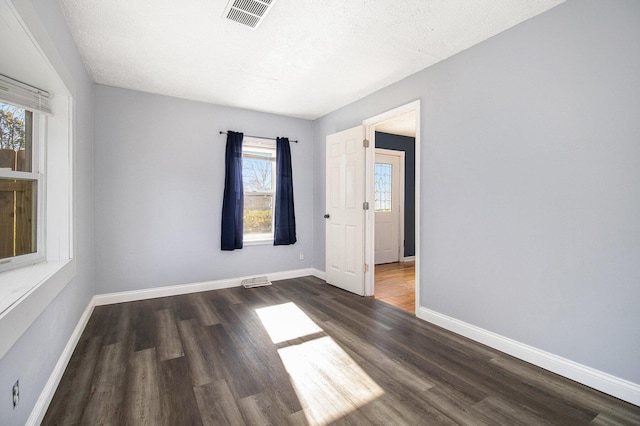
[286,322]
[328,382]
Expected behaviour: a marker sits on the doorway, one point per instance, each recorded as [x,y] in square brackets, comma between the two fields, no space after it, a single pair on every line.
[350,222]
[394,274]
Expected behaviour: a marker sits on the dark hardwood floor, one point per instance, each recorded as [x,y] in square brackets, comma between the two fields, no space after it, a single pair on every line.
[303,352]
[395,284]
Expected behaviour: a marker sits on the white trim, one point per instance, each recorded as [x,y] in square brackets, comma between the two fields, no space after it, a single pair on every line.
[369,125]
[408,259]
[152,293]
[319,274]
[588,376]
[418,203]
[42,404]
[40,283]
[249,243]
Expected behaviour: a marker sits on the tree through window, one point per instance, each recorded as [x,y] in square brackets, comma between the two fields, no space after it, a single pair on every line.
[259,179]
[18,183]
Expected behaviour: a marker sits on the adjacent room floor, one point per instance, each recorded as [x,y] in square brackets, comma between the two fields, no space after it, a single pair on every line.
[303,352]
[395,283]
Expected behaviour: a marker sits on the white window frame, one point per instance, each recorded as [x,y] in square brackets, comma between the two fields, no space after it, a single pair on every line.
[26,292]
[37,174]
[267,146]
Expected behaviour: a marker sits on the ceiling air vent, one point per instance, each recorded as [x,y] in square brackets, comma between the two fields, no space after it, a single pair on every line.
[248,12]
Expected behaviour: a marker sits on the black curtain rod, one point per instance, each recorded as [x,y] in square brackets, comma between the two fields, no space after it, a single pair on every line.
[257,137]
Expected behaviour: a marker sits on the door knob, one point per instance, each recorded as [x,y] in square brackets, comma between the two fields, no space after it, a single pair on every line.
[326,216]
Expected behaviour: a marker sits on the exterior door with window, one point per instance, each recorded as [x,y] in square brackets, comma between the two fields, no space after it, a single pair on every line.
[387,206]
[345,218]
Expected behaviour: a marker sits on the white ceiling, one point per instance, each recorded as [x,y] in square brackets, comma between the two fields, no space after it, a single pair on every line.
[307,58]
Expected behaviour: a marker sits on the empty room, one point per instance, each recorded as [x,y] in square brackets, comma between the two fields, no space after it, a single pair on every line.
[234,212]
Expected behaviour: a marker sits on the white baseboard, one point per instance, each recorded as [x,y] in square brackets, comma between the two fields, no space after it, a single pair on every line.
[319,274]
[42,404]
[408,259]
[604,382]
[152,293]
[588,376]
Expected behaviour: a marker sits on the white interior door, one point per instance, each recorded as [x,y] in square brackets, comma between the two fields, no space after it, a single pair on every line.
[387,206]
[345,214]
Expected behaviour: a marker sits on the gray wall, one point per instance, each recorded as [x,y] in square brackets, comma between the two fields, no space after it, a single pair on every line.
[530,182]
[530,190]
[34,356]
[405,144]
[159,179]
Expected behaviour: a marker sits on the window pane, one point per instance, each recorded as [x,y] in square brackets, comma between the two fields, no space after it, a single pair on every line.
[382,186]
[258,175]
[258,215]
[15,138]
[17,217]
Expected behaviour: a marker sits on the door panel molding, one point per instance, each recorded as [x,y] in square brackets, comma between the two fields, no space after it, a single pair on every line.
[345,236]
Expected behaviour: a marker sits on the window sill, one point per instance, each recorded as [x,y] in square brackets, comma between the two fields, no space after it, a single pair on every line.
[25,293]
[265,242]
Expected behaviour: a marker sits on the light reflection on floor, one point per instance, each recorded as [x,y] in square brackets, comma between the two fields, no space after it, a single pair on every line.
[328,382]
[286,322]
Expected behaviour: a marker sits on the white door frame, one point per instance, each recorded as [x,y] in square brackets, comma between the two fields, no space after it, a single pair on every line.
[370,125]
[400,195]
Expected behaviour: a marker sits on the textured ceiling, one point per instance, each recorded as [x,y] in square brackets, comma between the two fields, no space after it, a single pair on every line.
[308,57]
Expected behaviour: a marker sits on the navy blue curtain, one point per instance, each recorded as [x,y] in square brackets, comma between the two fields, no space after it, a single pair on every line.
[285,219]
[233,201]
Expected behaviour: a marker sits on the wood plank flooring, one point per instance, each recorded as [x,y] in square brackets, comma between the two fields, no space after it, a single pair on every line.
[395,284]
[301,352]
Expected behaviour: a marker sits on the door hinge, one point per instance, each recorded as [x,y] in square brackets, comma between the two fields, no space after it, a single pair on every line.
[365,205]
[365,268]
[365,143]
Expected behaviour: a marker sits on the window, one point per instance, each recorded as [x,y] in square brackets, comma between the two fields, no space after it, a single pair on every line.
[259,180]
[32,284]
[20,181]
[382,186]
